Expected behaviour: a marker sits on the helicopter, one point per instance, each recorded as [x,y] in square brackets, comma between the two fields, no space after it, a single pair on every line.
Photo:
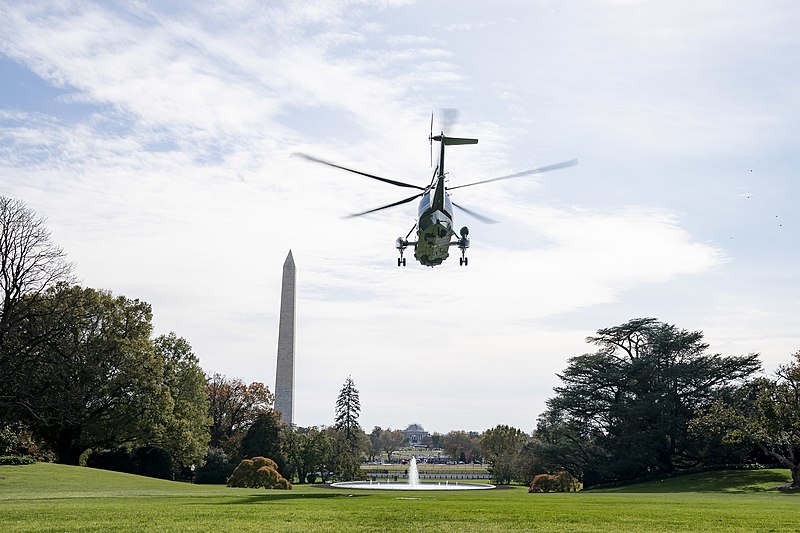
[434,226]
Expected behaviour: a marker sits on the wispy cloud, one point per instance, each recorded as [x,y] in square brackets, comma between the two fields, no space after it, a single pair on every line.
[176,185]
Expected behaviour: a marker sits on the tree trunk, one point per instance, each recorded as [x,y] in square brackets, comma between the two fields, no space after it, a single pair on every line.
[796,476]
[66,448]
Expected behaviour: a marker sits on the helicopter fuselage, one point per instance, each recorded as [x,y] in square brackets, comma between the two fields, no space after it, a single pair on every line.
[434,226]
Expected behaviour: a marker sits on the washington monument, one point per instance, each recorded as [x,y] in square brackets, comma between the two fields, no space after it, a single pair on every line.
[284,374]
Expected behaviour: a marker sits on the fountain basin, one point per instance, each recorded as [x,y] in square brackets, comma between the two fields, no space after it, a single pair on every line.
[413,483]
[360,485]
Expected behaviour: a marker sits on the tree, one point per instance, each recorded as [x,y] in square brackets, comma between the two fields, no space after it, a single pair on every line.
[350,438]
[318,454]
[233,407]
[391,441]
[455,442]
[763,412]
[561,442]
[437,441]
[623,411]
[308,451]
[473,453]
[92,379]
[216,469]
[263,439]
[375,442]
[502,446]
[348,409]
[30,265]
[186,432]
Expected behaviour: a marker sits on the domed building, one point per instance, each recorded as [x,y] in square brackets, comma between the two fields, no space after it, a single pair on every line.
[416,435]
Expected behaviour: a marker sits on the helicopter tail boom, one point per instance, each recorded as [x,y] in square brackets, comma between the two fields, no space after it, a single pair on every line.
[449,141]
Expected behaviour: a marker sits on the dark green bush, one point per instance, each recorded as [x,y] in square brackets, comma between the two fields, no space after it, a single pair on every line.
[216,470]
[152,461]
[17,460]
[116,459]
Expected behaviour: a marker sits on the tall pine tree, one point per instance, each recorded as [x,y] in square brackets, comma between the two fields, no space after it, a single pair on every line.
[349,435]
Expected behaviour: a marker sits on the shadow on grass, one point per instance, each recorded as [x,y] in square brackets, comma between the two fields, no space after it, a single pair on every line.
[738,481]
[274,497]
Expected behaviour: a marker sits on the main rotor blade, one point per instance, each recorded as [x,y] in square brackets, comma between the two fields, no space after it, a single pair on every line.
[557,166]
[334,165]
[449,117]
[485,220]
[401,202]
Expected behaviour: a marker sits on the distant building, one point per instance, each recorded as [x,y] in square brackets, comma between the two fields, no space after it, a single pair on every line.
[416,435]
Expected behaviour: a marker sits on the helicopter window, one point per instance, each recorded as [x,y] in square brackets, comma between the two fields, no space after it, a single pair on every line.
[424,202]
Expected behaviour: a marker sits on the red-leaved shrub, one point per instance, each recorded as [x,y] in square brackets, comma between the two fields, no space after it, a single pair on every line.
[258,472]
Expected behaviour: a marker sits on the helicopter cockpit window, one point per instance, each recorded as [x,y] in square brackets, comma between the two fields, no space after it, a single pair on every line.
[424,202]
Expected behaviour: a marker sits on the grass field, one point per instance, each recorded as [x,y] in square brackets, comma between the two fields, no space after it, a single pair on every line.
[46,497]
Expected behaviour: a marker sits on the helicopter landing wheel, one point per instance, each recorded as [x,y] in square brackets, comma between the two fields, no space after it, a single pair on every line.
[401,261]
[463,261]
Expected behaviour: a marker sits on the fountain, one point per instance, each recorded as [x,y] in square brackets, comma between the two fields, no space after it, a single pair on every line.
[413,474]
[413,483]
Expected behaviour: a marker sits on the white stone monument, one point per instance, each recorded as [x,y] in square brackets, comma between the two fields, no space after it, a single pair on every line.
[284,374]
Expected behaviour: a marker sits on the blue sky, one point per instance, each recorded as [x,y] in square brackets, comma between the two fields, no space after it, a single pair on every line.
[158,141]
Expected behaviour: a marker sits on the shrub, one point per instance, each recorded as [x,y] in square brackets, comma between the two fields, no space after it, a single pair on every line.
[541,483]
[17,460]
[117,459]
[559,482]
[152,461]
[216,469]
[17,440]
[565,482]
[258,472]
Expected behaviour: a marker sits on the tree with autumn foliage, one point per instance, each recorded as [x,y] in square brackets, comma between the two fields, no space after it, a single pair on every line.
[233,407]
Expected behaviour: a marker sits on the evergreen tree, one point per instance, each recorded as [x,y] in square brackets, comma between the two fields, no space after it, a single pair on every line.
[350,438]
[623,412]
[263,439]
[348,408]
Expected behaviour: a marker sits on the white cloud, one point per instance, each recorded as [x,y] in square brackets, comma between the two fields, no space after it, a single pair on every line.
[178,187]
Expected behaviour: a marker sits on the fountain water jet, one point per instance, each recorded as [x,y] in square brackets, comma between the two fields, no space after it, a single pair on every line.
[413,474]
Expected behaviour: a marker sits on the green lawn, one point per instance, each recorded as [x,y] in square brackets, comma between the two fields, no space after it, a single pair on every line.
[45,497]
